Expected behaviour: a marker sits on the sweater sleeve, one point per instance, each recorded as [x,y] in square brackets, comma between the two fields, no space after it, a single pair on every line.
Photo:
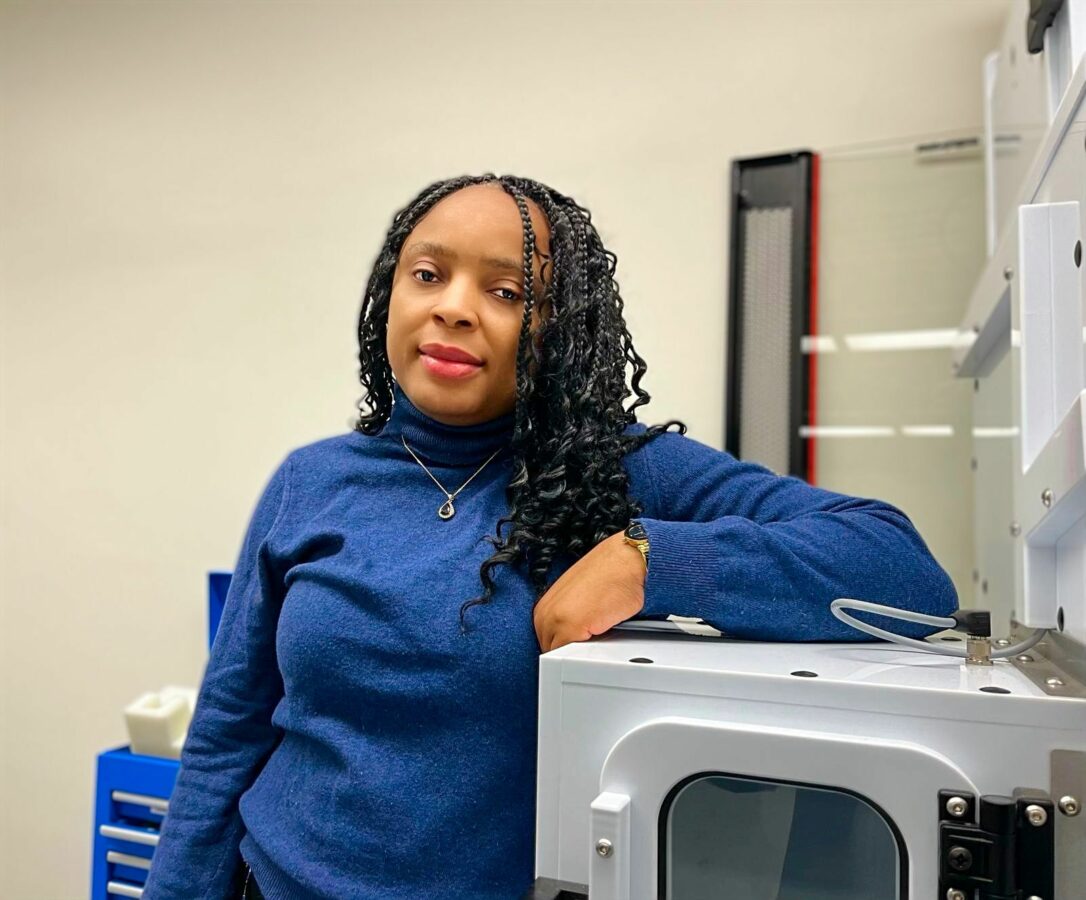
[761,556]
[231,733]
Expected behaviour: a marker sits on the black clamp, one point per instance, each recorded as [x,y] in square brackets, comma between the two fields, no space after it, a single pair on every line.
[1003,847]
[1042,13]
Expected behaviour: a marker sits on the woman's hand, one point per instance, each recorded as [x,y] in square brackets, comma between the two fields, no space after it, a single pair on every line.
[604,587]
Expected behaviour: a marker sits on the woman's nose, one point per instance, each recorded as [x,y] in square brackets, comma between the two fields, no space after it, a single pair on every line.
[456,306]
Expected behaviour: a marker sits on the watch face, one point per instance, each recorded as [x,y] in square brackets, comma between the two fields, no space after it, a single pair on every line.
[636,531]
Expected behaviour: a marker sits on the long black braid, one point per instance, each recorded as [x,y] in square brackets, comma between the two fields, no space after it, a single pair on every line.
[569,487]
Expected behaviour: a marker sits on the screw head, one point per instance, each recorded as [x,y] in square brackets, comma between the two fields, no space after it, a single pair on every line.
[1036,815]
[960,859]
[1046,496]
[604,847]
[1024,657]
[1008,273]
[1002,642]
[956,806]
[1054,682]
[1016,529]
[1070,806]
[955,894]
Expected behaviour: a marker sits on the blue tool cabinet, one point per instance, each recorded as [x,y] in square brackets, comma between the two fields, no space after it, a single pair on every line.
[132,795]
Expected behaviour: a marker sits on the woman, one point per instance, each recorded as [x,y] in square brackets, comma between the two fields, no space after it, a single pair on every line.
[366,727]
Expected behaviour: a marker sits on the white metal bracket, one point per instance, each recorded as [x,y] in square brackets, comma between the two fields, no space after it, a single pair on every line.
[609,867]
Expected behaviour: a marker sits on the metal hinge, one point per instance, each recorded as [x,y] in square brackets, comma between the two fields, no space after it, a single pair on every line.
[1005,850]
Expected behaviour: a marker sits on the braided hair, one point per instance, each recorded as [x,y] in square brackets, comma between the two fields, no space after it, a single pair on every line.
[569,487]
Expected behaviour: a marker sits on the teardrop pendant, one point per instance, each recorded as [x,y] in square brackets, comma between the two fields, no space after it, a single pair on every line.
[447,511]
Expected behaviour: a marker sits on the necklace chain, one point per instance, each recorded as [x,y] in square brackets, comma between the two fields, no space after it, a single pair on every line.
[447,510]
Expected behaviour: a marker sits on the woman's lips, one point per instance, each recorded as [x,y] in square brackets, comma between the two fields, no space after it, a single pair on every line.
[445,368]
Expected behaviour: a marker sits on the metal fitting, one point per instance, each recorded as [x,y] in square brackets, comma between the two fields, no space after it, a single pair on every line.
[978,651]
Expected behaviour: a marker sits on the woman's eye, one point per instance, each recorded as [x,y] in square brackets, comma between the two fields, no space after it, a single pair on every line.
[515,296]
[425,272]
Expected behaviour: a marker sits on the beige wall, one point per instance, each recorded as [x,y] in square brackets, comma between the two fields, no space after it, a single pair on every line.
[192,194]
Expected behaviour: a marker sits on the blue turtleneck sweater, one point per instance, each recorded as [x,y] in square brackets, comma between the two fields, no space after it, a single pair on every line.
[352,743]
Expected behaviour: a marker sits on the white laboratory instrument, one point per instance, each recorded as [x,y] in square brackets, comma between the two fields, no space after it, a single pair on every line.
[685,766]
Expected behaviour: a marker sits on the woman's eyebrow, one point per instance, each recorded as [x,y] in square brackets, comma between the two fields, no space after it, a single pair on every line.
[431,248]
[495,262]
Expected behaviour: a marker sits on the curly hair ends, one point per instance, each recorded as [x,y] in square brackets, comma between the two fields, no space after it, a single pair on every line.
[569,487]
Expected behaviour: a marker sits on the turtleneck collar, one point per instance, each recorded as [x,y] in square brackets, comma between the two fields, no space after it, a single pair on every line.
[437,442]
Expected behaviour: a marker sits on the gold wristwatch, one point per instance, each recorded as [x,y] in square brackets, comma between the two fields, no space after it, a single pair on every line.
[636,536]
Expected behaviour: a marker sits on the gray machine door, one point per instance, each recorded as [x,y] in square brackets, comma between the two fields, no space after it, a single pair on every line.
[702,809]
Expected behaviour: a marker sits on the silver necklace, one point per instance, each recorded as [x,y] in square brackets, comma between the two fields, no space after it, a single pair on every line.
[447,510]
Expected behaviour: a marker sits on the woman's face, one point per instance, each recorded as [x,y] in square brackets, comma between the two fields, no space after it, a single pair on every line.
[459,285]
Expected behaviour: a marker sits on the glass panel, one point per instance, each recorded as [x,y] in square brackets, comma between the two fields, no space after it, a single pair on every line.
[741,839]
[995,431]
[901,243]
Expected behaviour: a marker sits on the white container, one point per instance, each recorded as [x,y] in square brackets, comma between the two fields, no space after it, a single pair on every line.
[158,721]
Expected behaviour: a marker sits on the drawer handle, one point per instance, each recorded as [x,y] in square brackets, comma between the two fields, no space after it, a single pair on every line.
[120,889]
[156,804]
[147,838]
[127,859]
